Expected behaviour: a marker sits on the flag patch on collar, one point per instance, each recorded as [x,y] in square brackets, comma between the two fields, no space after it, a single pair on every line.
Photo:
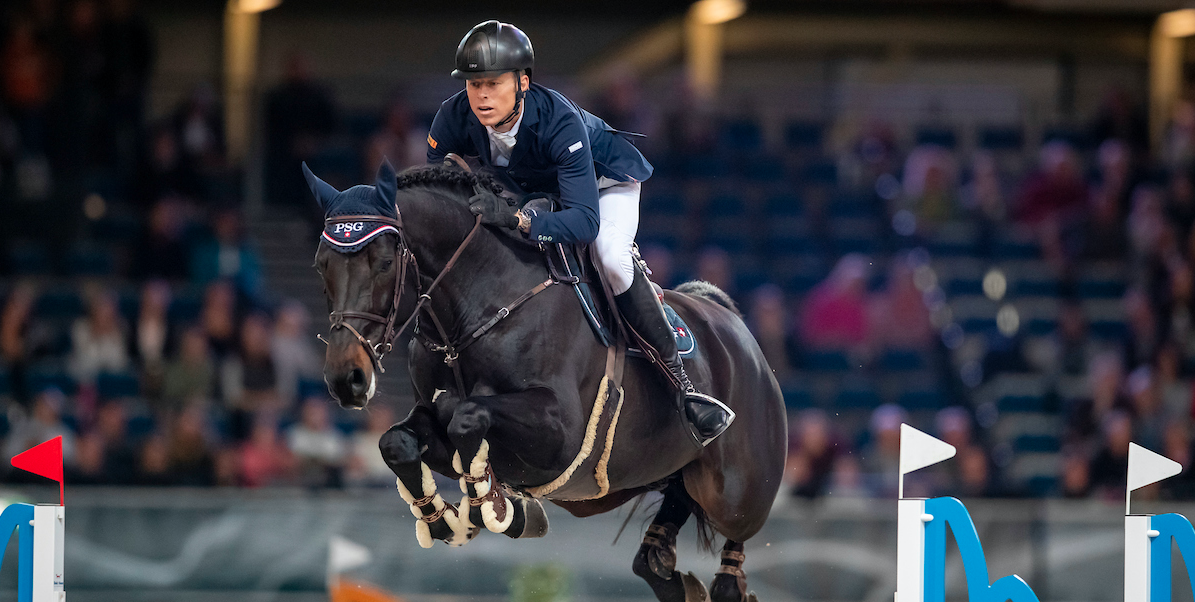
[431,141]
[349,237]
[574,148]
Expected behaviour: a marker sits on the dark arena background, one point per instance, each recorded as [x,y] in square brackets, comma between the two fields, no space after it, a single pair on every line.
[973,216]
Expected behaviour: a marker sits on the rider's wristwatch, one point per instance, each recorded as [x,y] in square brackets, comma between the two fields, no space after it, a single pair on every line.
[525,216]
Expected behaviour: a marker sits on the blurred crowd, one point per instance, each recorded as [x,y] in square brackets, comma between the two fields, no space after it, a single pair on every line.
[1024,296]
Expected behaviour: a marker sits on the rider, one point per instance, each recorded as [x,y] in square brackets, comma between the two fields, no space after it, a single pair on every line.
[534,139]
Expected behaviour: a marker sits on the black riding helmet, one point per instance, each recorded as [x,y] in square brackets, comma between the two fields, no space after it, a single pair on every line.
[491,49]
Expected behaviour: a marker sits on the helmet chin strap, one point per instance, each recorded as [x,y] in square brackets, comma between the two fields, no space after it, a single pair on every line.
[519,92]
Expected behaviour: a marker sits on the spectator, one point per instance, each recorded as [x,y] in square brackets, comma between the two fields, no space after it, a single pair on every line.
[366,468]
[27,74]
[1122,119]
[249,381]
[713,266]
[295,358]
[899,315]
[931,185]
[880,458]
[189,450]
[228,255]
[98,341]
[117,450]
[190,378]
[218,318]
[1143,336]
[1115,160]
[811,456]
[835,313]
[1067,350]
[1175,391]
[1149,417]
[1076,475]
[151,335]
[1110,466]
[199,129]
[769,323]
[20,334]
[43,423]
[153,465]
[1084,416]
[394,141]
[1097,234]
[299,117]
[162,252]
[320,449]
[1178,306]
[1180,206]
[1057,190]
[264,459]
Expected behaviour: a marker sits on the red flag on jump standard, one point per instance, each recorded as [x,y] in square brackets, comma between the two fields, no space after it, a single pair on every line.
[44,460]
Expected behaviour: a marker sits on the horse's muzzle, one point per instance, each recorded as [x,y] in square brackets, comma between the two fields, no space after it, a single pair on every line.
[353,389]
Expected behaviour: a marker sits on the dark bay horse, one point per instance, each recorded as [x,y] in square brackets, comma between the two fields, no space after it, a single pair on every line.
[527,410]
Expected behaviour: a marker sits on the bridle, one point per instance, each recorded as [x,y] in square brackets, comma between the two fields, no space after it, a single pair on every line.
[406,259]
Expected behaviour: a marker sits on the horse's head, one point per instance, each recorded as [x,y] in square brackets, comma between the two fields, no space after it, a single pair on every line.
[364,264]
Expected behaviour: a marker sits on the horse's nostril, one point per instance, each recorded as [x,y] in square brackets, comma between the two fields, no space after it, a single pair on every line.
[357,381]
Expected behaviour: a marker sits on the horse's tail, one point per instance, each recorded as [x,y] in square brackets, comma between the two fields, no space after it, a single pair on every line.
[701,288]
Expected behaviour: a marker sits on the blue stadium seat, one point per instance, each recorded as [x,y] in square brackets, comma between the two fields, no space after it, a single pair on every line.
[903,360]
[59,303]
[822,171]
[1036,444]
[114,385]
[118,226]
[827,361]
[89,260]
[783,205]
[851,205]
[185,307]
[803,135]
[726,205]
[797,398]
[857,398]
[921,399]
[742,135]
[1041,485]
[937,136]
[28,259]
[1001,138]
[45,375]
[1021,403]
[671,204]
[764,169]
[706,166]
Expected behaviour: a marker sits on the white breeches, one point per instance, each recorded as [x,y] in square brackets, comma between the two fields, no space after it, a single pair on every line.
[618,211]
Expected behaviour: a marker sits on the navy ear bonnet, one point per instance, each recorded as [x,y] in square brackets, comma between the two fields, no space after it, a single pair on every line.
[363,200]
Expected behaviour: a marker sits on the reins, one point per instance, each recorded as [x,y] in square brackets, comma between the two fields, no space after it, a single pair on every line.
[405,258]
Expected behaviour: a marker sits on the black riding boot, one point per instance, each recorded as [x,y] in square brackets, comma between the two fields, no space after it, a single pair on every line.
[644,314]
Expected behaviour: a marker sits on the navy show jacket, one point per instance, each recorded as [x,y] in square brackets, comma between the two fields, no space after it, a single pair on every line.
[560,148]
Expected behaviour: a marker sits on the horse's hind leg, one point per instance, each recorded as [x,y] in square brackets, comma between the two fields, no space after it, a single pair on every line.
[401,449]
[655,562]
[730,584]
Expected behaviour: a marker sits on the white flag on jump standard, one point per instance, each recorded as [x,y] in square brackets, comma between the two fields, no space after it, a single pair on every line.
[918,450]
[1147,467]
[345,555]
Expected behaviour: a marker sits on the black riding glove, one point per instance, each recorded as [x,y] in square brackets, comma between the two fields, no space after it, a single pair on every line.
[494,210]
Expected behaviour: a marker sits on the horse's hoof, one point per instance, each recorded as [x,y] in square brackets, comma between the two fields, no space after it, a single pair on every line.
[694,589]
[490,516]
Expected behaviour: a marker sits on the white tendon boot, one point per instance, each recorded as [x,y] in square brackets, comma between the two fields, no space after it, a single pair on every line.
[486,494]
[429,508]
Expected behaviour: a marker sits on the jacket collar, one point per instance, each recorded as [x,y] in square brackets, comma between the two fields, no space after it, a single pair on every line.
[527,127]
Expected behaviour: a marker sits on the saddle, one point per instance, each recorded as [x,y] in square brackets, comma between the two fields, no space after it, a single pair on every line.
[576,265]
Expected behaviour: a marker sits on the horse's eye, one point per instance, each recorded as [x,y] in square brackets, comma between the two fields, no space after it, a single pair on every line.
[386,265]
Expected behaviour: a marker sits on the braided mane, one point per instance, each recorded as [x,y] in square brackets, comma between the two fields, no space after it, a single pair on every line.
[436,175]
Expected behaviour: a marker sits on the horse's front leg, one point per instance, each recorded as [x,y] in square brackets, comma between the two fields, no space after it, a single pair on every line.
[401,449]
[528,418]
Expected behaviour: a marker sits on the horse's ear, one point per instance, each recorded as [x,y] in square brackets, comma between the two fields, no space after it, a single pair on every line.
[387,184]
[323,191]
